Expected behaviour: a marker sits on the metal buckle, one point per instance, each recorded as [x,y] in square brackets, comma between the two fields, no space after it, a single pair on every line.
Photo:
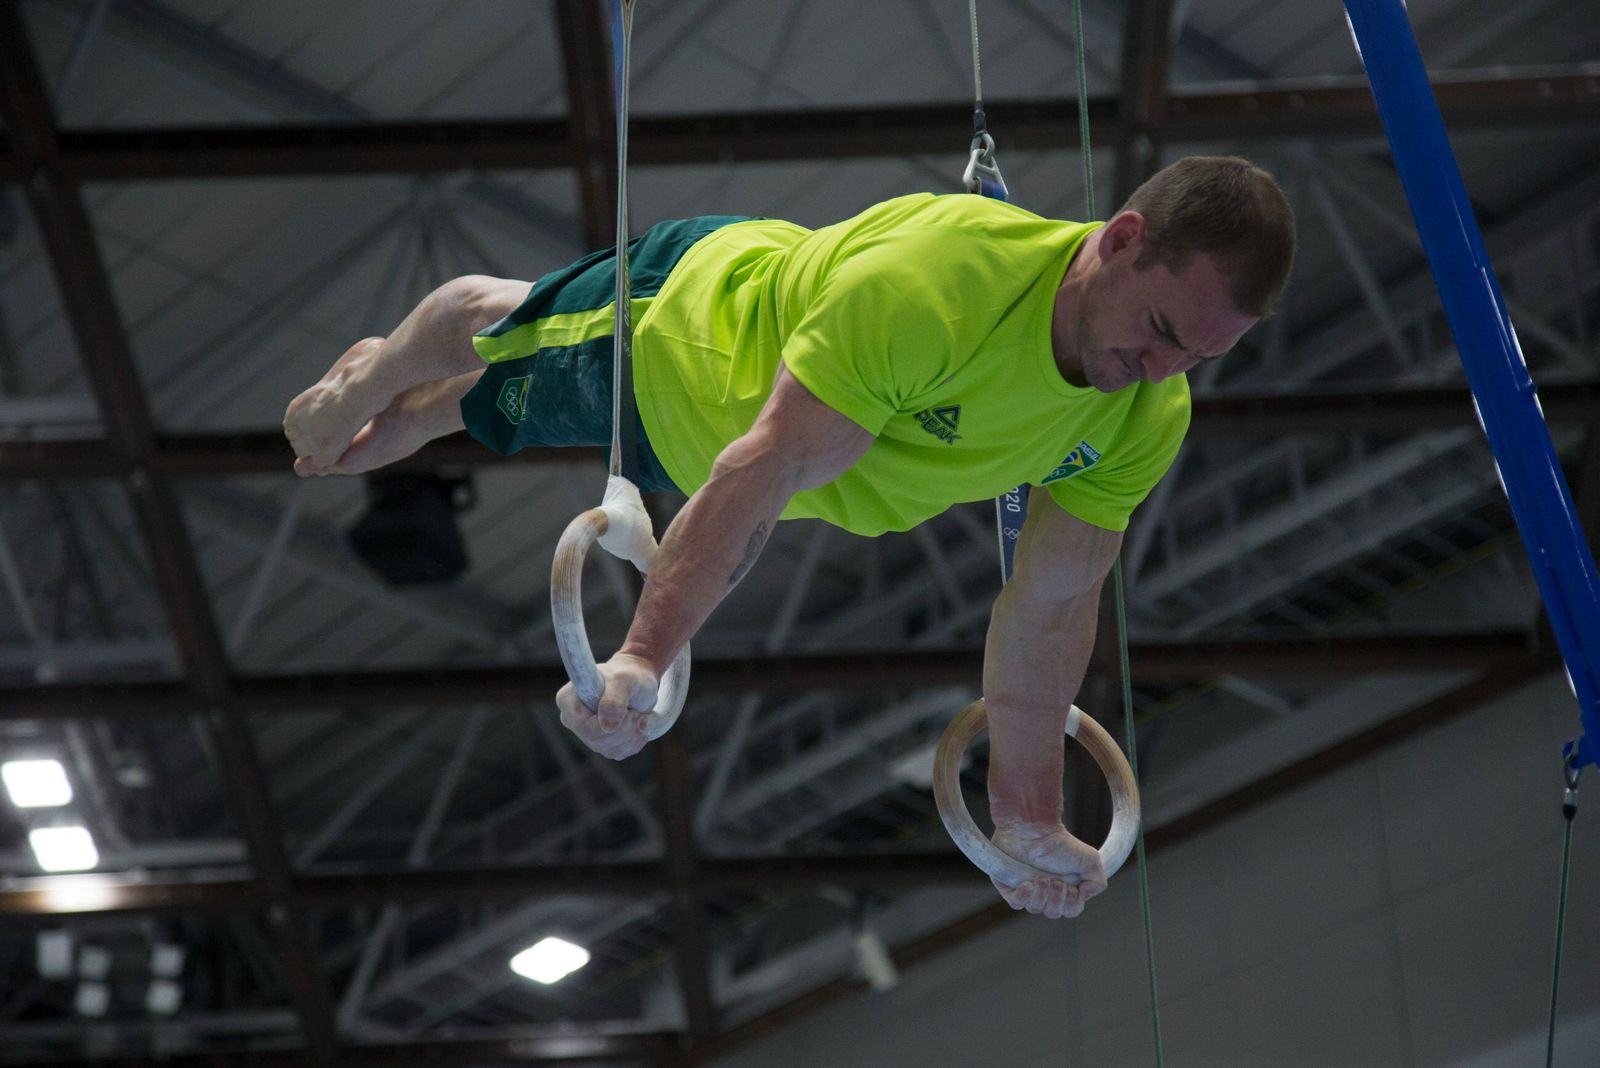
[982,175]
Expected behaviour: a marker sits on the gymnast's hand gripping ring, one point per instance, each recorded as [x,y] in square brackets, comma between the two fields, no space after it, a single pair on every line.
[977,846]
[622,527]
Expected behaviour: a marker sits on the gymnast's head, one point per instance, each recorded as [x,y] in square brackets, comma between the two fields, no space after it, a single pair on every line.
[1226,208]
[1196,257]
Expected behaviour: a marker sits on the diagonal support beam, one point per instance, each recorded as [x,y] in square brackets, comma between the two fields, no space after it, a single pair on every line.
[91,308]
[1503,679]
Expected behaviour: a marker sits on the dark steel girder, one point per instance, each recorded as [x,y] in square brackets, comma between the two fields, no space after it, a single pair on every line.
[1146,63]
[110,895]
[90,304]
[1586,496]
[1499,679]
[1269,415]
[582,29]
[1270,112]
[686,902]
[1450,706]
[1152,662]
[242,453]
[565,1048]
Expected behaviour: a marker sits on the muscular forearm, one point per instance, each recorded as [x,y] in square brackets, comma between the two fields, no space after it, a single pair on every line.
[709,547]
[1034,662]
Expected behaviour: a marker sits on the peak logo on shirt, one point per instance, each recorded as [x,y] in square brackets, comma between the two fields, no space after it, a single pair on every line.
[942,423]
[1076,462]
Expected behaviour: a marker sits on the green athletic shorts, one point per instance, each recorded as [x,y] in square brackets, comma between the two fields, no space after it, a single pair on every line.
[550,361]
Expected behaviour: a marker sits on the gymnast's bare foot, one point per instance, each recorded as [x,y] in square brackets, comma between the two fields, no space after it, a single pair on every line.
[322,422]
[388,436]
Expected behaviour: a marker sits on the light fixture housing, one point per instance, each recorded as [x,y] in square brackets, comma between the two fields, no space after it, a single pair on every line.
[36,783]
[64,848]
[550,960]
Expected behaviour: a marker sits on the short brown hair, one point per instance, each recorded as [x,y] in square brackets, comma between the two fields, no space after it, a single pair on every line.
[1227,208]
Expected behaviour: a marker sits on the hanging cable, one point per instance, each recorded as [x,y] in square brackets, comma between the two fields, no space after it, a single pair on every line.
[1129,727]
[1138,842]
[620,524]
[977,58]
[624,461]
[982,175]
[1569,811]
[1083,108]
[1011,509]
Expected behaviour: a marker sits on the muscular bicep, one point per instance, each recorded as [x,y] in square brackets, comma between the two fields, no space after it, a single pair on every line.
[1059,556]
[803,441]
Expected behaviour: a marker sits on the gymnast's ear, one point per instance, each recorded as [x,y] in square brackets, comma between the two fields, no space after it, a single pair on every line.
[1123,236]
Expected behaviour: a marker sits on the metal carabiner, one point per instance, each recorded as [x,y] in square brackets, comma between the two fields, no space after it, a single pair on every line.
[982,175]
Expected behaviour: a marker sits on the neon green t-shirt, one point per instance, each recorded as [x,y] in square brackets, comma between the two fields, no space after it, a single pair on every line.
[925,320]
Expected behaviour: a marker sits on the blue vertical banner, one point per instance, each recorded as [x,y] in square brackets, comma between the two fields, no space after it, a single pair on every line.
[1010,512]
[983,177]
[1508,405]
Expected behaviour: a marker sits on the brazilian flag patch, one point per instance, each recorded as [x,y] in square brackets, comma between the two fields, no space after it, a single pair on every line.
[1076,462]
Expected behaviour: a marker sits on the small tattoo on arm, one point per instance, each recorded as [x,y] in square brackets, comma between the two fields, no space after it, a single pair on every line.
[752,549]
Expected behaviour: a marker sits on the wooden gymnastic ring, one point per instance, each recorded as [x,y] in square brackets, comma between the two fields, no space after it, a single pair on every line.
[572,637]
[998,865]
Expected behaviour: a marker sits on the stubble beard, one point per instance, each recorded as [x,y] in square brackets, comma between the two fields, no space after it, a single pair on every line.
[1095,360]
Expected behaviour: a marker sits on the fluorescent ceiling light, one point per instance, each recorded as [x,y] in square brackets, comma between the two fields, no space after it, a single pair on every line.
[53,951]
[78,893]
[94,963]
[163,997]
[550,960]
[872,956]
[64,848]
[36,783]
[93,999]
[915,767]
[166,960]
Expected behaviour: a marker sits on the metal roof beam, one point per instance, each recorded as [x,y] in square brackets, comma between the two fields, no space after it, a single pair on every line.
[90,304]
[582,29]
[1565,96]
[563,1047]
[510,686]
[1503,676]
[1231,415]
[1146,62]
[1493,683]
[107,895]
[686,903]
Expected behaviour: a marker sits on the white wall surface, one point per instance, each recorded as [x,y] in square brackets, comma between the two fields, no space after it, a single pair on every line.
[1400,912]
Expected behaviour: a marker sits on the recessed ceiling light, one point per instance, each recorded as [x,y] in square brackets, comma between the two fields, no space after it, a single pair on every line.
[163,997]
[64,848]
[36,783]
[550,960]
[92,999]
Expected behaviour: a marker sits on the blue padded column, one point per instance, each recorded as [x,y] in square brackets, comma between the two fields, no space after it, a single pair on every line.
[1507,404]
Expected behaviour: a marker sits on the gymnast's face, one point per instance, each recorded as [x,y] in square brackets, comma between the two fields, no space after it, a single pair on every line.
[1146,324]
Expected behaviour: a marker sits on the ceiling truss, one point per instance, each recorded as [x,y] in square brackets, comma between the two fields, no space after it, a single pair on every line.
[52,164]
